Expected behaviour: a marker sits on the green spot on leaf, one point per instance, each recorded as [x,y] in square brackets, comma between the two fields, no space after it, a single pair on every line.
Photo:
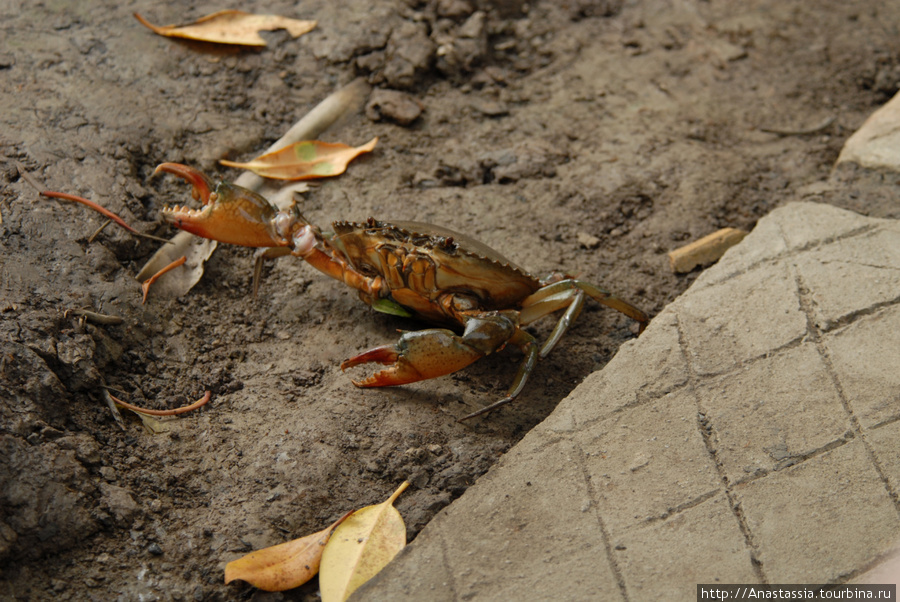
[305,151]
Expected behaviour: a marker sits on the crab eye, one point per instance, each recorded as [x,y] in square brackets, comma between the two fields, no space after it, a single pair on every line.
[367,269]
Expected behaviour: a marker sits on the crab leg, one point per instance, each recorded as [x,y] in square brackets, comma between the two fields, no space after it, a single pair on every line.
[572,300]
[551,296]
[528,345]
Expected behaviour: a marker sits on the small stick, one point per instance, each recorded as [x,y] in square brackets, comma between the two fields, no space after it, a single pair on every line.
[96,318]
[28,177]
[801,132]
[708,249]
[145,286]
[99,230]
[117,415]
[182,410]
[71,197]
[112,216]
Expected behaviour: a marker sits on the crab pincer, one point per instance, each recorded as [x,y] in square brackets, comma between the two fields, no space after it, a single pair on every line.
[230,214]
[418,355]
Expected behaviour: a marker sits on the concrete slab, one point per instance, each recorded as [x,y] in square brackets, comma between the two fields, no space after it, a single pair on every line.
[718,341]
[759,415]
[666,558]
[646,462]
[822,519]
[749,435]
[864,356]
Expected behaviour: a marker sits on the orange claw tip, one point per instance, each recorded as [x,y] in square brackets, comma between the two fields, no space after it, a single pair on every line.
[383,378]
[386,354]
[202,186]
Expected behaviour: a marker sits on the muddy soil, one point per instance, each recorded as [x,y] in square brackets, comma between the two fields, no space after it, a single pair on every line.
[590,136]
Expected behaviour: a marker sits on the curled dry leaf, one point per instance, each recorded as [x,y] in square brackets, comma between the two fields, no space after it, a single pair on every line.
[285,566]
[360,547]
[196,249]
[145,286]
[231,27]
[305,160]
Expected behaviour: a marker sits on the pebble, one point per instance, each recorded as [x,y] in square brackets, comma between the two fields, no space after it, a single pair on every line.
[588,241]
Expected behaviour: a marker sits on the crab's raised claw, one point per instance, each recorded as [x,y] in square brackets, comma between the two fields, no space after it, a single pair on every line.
[231,214]
[201,185]
[417,356]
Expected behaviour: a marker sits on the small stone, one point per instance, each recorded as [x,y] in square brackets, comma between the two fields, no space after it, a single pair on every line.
[155,549]
[408,55]
[395,106]
[454,9]
[418,479]
[120,503]
[587,241]
[86,449]
[491,108]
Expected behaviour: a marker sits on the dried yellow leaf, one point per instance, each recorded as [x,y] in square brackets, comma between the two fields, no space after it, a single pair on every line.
[305,160]
[360,547]
[231,27]
[285,566]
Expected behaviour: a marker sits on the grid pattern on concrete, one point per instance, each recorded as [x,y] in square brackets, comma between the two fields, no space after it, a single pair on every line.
[750,435]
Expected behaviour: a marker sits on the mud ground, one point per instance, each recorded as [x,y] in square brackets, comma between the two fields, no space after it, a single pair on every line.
[590,136]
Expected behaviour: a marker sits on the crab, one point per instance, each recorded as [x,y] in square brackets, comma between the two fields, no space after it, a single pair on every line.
[410,269]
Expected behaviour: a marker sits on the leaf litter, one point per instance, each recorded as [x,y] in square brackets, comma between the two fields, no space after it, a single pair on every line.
[231,27]
[305,160]
[346,554]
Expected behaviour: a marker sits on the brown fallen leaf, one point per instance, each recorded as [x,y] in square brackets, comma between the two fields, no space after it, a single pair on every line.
[305,160]
[360,547]
[285,566]
[231,27]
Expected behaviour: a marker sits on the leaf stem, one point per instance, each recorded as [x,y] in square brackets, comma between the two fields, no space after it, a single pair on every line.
[78,199]
[396,494]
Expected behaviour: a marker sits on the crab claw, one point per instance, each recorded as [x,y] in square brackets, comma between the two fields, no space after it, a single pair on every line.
[230,213]
[417,356]
[201,185]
